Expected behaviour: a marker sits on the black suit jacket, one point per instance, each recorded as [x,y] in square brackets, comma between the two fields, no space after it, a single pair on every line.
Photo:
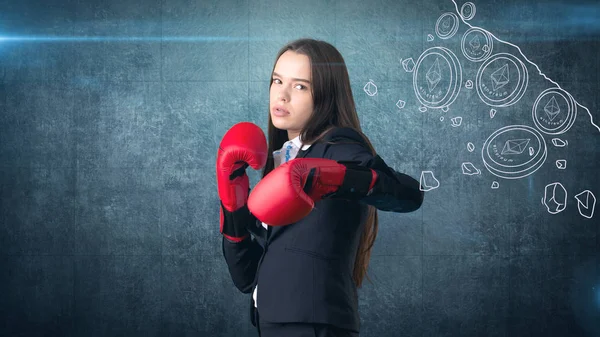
[304,270]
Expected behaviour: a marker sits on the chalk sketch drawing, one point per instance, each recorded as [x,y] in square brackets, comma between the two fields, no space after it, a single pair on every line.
[514,151]
[554,111]
[501,80]
[447,25]
[428,181]
[467,11]
[487,33]
[437,77]
[586,203]
[555,198]
[370,88]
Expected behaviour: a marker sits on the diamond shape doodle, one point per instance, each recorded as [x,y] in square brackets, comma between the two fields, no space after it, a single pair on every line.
[433,75]
[515,146]
[551,108]
[500,77]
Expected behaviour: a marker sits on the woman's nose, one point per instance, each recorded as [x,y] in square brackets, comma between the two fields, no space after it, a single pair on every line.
[282,95]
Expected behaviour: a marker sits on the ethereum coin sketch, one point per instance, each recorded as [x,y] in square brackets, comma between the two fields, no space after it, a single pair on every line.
[527,60]
[559,142]
[437,77]
[554,111]
[561,164]
[555,198]
[467,11]
[446,25]
[370,88]
[428,181]
[469,169]
[502,80]
[477,44]
[586,203]
[514,151]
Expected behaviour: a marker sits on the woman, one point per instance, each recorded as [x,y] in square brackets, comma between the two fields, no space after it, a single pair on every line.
[304,264]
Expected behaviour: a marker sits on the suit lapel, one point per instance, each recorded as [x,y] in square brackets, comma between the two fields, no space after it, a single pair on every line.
[273,231]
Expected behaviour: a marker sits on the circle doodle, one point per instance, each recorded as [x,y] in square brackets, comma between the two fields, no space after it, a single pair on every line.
[467,11]
[514,151]
[477,44]
[446,25]
[554,111]
[502,80]
[437,77]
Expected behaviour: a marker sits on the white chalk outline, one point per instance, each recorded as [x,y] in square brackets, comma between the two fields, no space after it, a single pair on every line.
[453,29]
[571,112]
[580,203]
[514,171]
[367,91]
[466,171]
[456,121]
[561,164]
[406,64]
[473,10]
[559,204]
[489,42]
[559,142]
[422,182]
[516,94]
[533,64]
[400,104]
[470,147]
[455,77]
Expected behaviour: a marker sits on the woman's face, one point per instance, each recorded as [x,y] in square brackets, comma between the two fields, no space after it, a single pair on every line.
[291,101]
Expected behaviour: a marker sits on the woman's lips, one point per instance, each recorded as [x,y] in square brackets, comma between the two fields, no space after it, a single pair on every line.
[280,112]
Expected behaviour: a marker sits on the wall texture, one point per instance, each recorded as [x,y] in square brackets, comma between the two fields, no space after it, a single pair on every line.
[111,112]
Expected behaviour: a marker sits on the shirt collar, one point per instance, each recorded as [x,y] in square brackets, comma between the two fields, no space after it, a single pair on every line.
[297,142]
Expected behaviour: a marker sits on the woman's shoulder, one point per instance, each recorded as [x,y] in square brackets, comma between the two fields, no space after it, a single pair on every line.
[347,143]
[344,133]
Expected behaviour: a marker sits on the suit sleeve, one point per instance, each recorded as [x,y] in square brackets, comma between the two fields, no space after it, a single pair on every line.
[242,261]
[393,191]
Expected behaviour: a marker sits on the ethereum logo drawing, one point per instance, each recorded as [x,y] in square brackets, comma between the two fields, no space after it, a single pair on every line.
[500,77]
[515,146]
[475,43]
[552,109]
[446,23]
[433,75]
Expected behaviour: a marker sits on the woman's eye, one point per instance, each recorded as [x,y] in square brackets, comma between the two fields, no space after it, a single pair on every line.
[276,80]
[300,86]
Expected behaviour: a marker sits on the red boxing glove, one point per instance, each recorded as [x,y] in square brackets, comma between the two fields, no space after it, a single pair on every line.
[243,145]
[288,193]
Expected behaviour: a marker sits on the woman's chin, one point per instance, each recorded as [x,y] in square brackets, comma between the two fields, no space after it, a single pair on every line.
[280,126]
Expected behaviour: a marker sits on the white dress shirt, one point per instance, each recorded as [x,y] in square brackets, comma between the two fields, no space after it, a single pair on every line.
[288,152]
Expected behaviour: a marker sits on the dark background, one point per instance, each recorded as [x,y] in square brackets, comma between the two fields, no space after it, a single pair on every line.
[111,112]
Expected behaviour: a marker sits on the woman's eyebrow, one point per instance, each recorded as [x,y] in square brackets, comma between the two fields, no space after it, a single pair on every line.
[295,79]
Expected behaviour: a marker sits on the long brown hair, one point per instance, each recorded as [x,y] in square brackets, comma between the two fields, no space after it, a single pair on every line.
[333,107]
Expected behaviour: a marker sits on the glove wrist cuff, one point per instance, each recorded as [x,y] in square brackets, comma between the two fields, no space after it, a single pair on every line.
[357,183]
[234,224]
